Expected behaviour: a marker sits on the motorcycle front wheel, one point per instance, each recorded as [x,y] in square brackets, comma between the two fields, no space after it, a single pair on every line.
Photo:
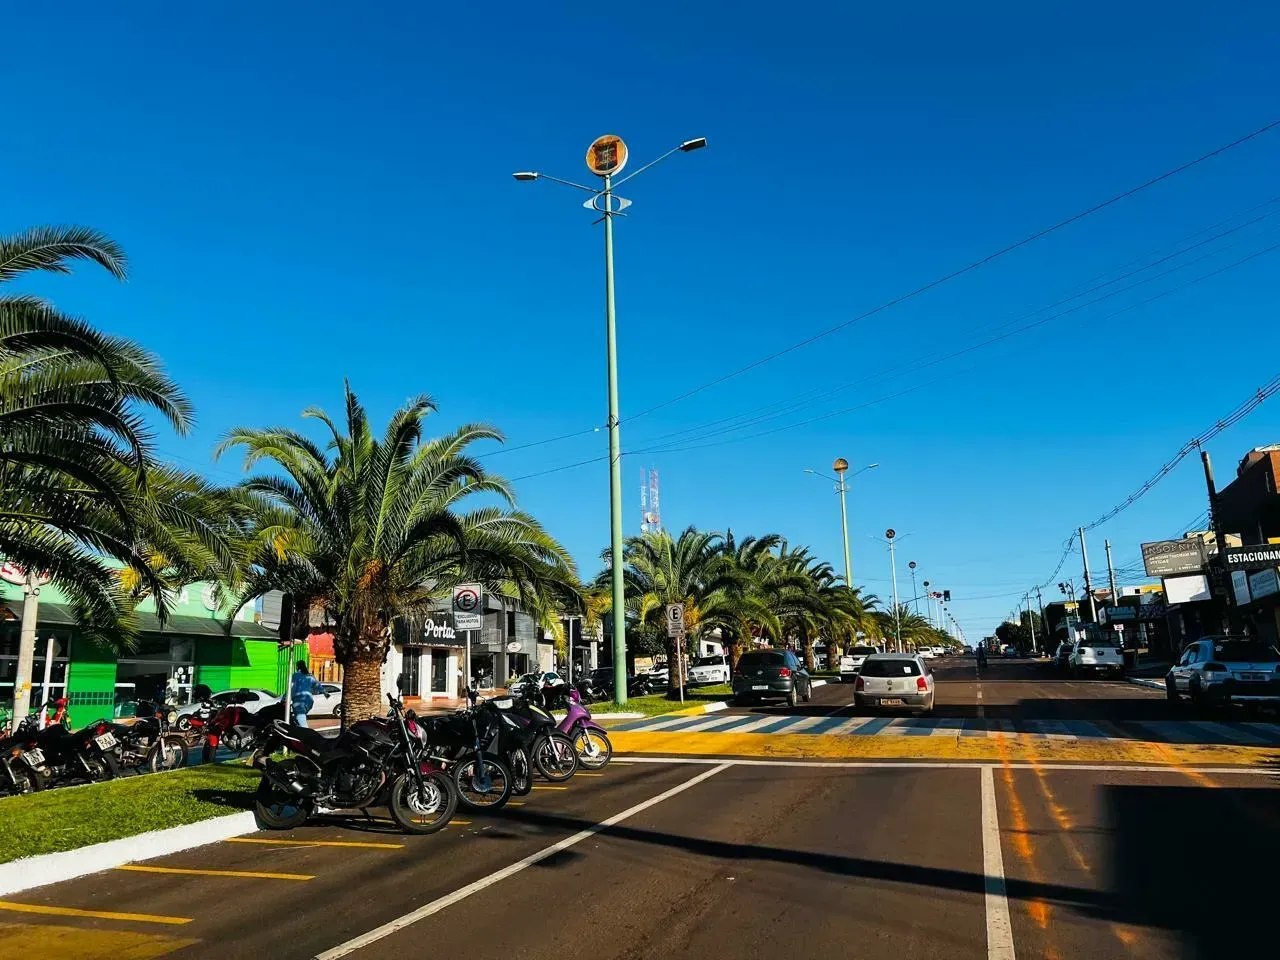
[593,748]
[469,775]
[169,753]
[521,772]
[20,779]
[276,809]
[555,757]
[423,808]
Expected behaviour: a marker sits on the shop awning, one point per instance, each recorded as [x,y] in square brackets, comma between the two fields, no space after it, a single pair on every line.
[60,615]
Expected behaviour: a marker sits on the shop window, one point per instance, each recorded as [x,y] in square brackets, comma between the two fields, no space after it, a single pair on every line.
[440,671]
[511,624]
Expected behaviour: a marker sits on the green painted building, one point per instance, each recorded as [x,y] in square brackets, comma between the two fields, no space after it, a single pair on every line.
[193,647]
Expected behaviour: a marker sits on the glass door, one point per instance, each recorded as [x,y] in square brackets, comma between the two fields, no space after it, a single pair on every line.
[439,670]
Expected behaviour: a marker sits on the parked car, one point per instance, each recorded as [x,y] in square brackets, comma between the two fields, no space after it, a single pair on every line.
[925,653]
[1062,658]
[1097,657]
[770,675]
[895,680]
[709,670]
[325,703]
[852,662]
[251,700]
[1226,670]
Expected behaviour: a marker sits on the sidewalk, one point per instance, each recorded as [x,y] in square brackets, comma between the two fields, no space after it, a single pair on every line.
[423,708]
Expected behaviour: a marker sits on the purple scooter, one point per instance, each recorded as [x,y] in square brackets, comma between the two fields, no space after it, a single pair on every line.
[589,738]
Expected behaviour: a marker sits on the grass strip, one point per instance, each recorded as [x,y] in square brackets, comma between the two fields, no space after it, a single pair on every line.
[67,819]
[658,703]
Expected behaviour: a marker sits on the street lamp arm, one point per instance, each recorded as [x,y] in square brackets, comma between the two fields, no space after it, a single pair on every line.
[531,175]
[822,475]
[685,147]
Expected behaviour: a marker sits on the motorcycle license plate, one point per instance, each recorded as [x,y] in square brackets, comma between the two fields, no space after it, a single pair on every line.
[891,703]
[33,758]
[105,741]
[759,686]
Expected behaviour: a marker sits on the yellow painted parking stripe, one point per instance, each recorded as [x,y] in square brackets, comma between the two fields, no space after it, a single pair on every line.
[187,871]
[459,823]
[318,843]
[588,774]
[516,803]
[91,914]
[550,788]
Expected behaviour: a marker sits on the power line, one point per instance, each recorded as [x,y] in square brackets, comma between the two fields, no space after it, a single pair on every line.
[1040,234]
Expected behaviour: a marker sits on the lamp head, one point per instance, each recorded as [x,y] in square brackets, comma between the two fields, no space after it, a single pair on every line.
[526,175]
[697,143]
[840,465]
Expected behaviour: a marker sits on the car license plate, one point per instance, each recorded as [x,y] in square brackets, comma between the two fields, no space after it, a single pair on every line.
[105,742]
[34,757]
[891,702]
[1252,676]
[759,686]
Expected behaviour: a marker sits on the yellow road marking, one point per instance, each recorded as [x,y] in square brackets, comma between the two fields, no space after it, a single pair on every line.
[459,823]
[78,943]
[1014,747]
[318,843]
[515,803]
[94,914]
[187,871]
[551,788]
[588,774]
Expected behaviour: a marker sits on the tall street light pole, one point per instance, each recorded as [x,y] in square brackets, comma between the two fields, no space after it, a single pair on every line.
[841,467]
[606,157]
[890,536]
[915,597]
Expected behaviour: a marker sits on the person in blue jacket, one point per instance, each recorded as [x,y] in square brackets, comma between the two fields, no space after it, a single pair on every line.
[301,692]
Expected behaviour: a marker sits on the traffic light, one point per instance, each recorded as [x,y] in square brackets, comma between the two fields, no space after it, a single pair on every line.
[946,596]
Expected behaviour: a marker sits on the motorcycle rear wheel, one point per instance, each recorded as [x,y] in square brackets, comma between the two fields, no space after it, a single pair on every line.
[275,809]
[424,811]
[469,793]
[103,767]
[24,780]
[521,772]
[555,757]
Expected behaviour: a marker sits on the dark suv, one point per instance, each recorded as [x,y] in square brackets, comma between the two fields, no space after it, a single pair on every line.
[770,675]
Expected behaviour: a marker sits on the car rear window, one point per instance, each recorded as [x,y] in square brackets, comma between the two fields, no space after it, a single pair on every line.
[862,651]
[763,660]
[708,662]
[890,668]
[1244,651]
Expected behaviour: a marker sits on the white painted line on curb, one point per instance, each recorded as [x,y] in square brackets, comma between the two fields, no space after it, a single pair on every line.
[999,927]
[435,906]
[819,683]
[48,868]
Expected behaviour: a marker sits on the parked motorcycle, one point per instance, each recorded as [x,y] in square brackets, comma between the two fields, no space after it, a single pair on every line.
[239,730]
[590,741]
[147,744]
[467,744]
[61,756]
[370,761]
[21,760]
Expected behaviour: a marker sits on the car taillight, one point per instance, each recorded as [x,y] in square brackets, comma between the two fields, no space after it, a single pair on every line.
[784,672]
[858,684]
[922,684]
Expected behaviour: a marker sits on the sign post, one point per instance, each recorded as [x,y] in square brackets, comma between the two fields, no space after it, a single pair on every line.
[675,631]
[468,615]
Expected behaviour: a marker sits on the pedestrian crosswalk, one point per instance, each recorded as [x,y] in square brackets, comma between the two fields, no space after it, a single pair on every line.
[842,724]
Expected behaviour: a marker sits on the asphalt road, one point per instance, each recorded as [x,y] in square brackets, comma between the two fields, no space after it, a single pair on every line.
[746,859]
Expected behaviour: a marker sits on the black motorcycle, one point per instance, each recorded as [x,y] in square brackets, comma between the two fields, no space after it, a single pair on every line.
[147,745]
[369,761]
[21,760]
[467,744]
[61,756]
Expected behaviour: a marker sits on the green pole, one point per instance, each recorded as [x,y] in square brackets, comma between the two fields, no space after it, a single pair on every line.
[844,526]
[615,463]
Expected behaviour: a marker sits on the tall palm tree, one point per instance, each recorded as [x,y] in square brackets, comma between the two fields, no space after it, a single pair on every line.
[372,529]
[76,450]
[752,585]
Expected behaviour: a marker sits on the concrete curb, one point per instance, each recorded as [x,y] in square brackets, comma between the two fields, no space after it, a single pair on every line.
[601,717]
[1146,682]
[819,683]
[48,868]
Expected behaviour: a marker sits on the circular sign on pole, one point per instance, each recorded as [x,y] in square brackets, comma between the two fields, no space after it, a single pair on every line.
[606,156]
[466,599]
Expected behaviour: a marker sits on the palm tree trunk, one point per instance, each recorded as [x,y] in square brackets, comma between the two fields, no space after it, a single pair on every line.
[362,681]
[806,643]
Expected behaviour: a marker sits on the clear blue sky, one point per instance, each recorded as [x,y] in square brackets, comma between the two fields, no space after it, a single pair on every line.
[312,191]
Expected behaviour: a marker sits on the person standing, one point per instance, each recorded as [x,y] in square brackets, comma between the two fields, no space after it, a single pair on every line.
[301,694]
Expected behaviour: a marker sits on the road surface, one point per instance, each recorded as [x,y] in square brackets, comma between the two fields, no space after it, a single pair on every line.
[698,857]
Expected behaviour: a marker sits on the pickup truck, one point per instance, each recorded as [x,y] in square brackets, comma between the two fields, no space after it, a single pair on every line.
[851,662]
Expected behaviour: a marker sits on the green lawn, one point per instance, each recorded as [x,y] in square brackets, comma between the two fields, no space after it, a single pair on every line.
[68,819]
[658,702]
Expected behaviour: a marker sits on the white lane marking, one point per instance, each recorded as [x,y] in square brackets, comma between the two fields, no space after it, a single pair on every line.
[757,724]
[849,726]
[999,927]
[672,721]
[804,723]
[982,711]
[435,906]
[955,765]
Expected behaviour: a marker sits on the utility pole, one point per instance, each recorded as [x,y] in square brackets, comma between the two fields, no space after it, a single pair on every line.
[893,567]
[1220,538]
[26,648]
[1111,575]
[915,596]
[1044,623]
[1031,622]
[1088,584]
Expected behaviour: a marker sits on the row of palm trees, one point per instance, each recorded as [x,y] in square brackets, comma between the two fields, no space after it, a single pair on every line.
[754,590]
[366,527]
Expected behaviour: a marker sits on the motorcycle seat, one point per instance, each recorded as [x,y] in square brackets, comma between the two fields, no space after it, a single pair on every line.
[313,739]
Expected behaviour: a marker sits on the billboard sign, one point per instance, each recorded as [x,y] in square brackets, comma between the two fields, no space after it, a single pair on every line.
[1264,583]
[1165,558]
[1187,589]
[1257,557]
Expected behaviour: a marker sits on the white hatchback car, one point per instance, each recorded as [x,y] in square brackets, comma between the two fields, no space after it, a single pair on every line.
[709,670]
[852,662]
[1097,657]
[895,680]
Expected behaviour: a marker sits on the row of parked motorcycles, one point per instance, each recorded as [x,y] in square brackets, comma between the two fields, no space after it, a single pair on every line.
[422,768]
[35,757]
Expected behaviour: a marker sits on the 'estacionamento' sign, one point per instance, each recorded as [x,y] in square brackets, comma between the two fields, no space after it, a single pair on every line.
[1257,557]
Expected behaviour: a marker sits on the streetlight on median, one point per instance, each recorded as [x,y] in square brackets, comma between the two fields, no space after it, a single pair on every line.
[841,467]
[606,157]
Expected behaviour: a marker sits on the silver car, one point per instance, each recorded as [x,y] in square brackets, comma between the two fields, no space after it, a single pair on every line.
[1224,670]
[895,680]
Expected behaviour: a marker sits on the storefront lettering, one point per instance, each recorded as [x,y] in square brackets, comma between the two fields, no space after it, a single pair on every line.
[440,631]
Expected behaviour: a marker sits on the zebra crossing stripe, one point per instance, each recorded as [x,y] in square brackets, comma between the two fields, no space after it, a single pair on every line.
[1053,729]
[1233,733]
[848,725]
[762,724]
[1083,729]
[801,725]
[948,726]
[702,723]
[828,724]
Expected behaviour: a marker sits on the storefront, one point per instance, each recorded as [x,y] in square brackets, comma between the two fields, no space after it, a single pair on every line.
[425,658]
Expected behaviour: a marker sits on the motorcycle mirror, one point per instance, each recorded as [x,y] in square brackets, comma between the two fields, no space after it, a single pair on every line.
[472,696]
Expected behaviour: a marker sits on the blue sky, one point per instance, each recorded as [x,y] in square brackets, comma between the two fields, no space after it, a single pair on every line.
[317,191]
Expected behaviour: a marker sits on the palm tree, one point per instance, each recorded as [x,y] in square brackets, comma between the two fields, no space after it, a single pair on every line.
[752,585]
[375,529]
[77,452]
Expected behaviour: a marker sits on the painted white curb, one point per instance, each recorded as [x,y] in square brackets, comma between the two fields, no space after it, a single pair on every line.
[1146,682]
[819,683]
[55,867]
[601,717]
[713,707]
